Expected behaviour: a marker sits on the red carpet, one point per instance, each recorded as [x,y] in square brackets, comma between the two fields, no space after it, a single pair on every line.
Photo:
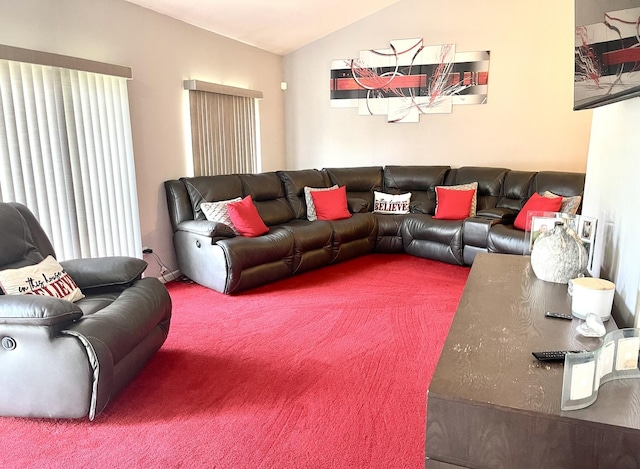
[327,369]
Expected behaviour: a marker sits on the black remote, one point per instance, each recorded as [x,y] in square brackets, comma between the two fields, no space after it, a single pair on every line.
[554,355]
[549,314]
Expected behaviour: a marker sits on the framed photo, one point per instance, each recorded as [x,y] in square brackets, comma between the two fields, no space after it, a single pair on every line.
[541,222]
[587,233]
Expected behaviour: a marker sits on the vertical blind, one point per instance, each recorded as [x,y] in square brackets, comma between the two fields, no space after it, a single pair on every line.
[66,152]
[224,132]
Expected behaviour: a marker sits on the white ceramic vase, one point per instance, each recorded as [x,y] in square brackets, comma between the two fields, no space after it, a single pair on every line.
[558,255]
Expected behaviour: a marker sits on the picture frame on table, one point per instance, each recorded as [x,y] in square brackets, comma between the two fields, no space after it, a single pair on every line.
[587,234]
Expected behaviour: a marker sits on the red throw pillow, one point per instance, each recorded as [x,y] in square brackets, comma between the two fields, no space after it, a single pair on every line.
[331,204]
[246,219]
[453,204]
[536,203]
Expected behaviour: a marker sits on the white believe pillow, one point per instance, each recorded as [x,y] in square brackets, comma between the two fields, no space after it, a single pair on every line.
[46,278]
[389,203]
[218,212]
[311,208]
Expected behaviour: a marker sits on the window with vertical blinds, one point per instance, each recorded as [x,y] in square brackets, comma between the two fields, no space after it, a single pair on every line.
[224,129]
[66,152]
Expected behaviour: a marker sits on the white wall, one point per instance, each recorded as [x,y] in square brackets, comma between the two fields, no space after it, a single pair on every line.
[162,53]
[528,122]
[612,193]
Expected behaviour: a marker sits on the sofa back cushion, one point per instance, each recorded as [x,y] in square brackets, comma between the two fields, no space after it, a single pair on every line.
[489,181]
[17,245]
[269,197]
[515,190]
[559,182]
[211,189]
[360,182]
[294,183]
[421,181]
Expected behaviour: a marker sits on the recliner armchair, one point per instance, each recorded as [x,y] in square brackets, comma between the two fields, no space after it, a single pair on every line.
[63,359]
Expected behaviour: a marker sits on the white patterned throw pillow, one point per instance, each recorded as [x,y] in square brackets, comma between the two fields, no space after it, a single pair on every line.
[217,212]
[389,203]
[47,278]
[311,208]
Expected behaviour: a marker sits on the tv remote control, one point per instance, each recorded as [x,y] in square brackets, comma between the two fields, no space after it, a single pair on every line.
[554,355]
[550,314]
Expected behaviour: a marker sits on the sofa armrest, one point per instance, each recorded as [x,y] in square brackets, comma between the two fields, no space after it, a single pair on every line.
[207,228]
[37,310]
[506,215]
[101,272]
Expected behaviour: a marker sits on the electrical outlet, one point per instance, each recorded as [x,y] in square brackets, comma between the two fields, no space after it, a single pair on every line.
[147,250]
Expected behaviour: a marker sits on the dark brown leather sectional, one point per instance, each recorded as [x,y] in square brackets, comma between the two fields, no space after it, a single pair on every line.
[212,255]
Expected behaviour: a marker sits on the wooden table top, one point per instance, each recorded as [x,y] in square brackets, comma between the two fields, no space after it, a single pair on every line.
[500,320]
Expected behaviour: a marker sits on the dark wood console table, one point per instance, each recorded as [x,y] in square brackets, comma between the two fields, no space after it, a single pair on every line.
[492,405]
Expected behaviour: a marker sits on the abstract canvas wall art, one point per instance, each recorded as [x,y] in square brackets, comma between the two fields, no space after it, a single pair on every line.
[607,56]
[410,79]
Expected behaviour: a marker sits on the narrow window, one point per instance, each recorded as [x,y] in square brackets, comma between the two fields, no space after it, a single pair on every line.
[224,129]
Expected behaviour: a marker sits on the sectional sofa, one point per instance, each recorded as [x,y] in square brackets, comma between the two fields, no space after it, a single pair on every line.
[212,255]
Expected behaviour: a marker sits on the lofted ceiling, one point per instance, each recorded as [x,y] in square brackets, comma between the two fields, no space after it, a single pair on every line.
[278,26]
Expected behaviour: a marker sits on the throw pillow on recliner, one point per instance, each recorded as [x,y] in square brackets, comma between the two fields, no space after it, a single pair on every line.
[453,204]
[311,208]
[219,213]
[390,203]
[246,218]
[331,204]
[47,278]
[466,187]
[569,204]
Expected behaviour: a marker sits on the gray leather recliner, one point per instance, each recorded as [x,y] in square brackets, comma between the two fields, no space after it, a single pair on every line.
[62,359]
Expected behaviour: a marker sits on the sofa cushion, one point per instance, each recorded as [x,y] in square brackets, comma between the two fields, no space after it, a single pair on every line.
[429,238]
[507,240]
[246,218]
[452,204]
[421,181]
[490,182]
[211,188]
[268,196]
[559,182]
[515,190]
[312,243]
[17,247]
[311,206]
[331,204]
[536,203]
[390,203]
[46,278]
[360,182]
[294,183]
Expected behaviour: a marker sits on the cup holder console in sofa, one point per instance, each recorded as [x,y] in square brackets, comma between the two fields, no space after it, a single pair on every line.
[211,255]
